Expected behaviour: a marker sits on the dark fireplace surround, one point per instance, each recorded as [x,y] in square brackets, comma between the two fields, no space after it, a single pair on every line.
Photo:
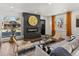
[31,32]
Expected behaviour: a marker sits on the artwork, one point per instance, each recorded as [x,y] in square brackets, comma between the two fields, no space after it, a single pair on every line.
[60,21]
[61,24]
[77,21]
[33,21]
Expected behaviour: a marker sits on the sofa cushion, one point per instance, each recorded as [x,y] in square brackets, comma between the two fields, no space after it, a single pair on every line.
[68,48]
[74,43]
[56,36]
[75,52]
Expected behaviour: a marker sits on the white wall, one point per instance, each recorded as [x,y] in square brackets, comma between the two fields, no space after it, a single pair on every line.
[75,30]
[48,24]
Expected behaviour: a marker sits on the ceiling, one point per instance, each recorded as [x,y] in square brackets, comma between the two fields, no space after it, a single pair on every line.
[38,8]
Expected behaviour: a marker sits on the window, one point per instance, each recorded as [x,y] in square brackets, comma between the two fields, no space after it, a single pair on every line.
[6,30]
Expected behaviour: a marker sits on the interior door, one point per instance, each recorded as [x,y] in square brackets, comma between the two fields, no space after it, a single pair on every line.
[42,27]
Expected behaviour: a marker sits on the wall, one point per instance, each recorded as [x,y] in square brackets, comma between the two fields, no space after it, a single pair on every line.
[73,23]
[48,24]
[75,30]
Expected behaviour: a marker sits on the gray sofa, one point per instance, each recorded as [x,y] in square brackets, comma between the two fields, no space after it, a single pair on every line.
[72,47]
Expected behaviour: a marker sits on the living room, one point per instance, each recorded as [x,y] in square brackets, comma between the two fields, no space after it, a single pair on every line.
[43,27]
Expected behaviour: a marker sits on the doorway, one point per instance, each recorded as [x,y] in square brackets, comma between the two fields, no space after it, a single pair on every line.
[42,27]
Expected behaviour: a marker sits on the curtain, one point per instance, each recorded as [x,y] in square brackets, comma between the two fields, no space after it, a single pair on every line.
[68,24]
[53,25]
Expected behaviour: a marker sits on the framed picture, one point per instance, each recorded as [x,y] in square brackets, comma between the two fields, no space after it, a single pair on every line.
[60,22]
[77,22]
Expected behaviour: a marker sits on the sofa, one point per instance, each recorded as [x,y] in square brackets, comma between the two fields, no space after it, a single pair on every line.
[70,48]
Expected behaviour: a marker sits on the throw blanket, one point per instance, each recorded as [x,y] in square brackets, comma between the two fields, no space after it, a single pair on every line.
[60,51]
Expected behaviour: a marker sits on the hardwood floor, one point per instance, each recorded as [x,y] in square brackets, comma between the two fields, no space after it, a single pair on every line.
[7,49]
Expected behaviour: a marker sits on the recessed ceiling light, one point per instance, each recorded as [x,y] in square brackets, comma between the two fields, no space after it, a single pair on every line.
[12,7]
[49,3]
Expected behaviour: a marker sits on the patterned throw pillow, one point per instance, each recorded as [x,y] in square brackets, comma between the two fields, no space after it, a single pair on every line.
[68,48]
[74,43]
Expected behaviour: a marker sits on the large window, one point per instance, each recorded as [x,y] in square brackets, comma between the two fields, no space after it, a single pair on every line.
[6,31]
